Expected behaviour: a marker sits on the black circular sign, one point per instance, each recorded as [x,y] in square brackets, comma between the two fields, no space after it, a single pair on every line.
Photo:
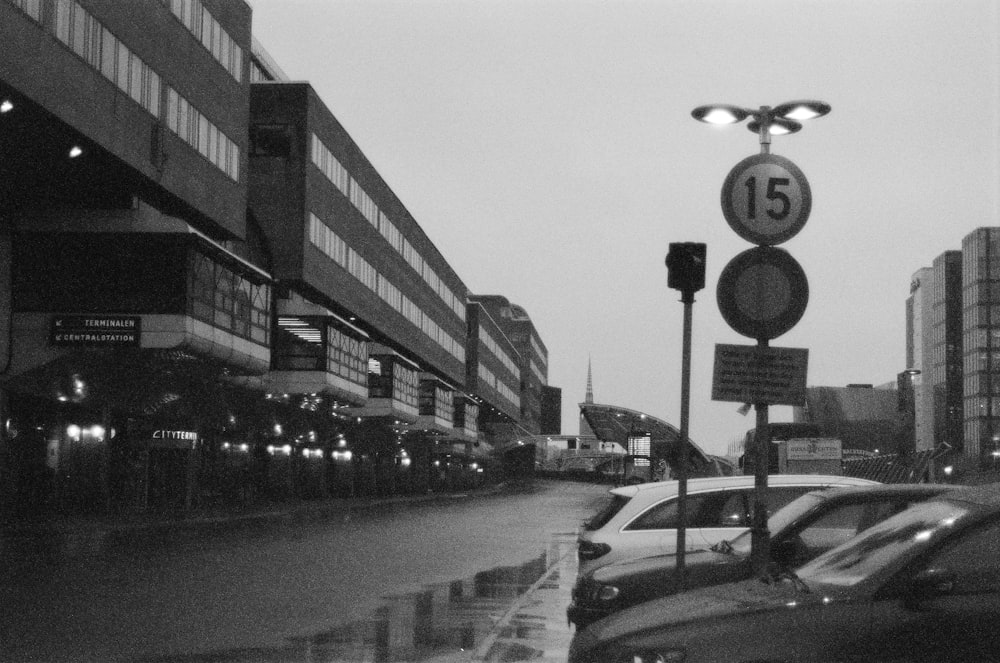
[762,292]
[766,199]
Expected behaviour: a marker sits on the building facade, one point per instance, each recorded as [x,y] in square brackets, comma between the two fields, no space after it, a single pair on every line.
[944,377]
[981,341]
[919,310]
[214,296]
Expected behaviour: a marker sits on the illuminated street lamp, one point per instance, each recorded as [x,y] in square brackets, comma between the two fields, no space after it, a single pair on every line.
[766,121]
[789,200]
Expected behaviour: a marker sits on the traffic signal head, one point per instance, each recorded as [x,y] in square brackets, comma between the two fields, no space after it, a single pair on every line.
[686,266]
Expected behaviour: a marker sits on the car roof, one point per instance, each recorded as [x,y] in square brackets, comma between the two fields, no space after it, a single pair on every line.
[841,491]
[986,495]
[739,480]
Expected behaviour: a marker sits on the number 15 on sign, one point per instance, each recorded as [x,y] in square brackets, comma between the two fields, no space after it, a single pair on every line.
[766,199]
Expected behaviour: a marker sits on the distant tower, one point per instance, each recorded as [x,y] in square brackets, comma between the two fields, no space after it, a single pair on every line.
[589,398]
[585,429]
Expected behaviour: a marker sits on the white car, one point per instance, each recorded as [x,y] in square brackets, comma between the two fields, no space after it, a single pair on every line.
[641,520]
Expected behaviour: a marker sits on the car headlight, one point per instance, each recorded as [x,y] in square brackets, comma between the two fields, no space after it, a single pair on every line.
[667,656]
[606,593]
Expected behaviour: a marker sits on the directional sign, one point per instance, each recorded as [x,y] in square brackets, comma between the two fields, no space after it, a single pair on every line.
[762,292]
[766,199]
[760,374]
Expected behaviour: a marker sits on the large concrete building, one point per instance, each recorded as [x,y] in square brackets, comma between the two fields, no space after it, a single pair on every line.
[213,295]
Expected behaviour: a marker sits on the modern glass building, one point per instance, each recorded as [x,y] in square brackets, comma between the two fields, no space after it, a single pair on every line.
[981,341]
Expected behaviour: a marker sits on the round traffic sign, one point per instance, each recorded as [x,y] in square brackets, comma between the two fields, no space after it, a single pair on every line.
[766,199]
[762,292]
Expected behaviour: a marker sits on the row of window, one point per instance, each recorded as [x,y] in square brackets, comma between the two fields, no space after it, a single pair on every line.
[334,247]
[491,380]
[498,352]
[335,171]
[87,37]
[436,402]
[32,8]
[537,371]
[227,300]
[194,129]
[543,356]
[200,22]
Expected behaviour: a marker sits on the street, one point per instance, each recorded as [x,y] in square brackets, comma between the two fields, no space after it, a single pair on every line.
[441,580]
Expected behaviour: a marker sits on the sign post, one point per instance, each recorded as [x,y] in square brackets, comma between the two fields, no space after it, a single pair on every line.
[685,272]
[762,293]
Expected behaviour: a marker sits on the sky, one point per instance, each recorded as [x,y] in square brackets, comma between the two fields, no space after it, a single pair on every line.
[547,149]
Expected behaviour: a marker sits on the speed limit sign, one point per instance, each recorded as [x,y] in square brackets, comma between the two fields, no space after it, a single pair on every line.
[766,199]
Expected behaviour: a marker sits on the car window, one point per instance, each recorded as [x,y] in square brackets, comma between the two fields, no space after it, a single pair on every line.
[884,543]
[834,527]
[973,559]
[778,497]
[607,512]
[715,509]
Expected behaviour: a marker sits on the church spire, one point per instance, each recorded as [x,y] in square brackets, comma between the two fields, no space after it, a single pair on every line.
[590,384]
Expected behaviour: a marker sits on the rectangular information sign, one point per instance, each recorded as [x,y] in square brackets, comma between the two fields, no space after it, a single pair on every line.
[755,374]
[95,330]
[815,449]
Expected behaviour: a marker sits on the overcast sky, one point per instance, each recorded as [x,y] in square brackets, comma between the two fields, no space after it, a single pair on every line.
[547,148]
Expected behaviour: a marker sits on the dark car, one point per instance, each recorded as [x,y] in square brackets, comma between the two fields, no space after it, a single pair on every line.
[806,527]
[921,586]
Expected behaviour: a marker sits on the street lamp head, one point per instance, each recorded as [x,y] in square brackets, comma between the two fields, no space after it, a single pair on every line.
[720,114]
[806,109]
[776,126]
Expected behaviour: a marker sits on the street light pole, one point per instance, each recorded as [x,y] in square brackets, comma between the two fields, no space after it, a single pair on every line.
[765,121]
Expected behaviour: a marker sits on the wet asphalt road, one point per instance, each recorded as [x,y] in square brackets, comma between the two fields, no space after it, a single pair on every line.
[484,577]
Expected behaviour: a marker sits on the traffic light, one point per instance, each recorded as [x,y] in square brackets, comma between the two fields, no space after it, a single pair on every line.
[686,266]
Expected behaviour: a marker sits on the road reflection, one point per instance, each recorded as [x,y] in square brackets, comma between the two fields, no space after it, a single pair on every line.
[505,614]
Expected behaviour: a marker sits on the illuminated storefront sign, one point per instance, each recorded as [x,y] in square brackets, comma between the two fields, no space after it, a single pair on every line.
[173,439]
[91,330]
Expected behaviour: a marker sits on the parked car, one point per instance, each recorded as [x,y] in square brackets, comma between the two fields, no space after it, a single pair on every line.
[921,586]
[801,530]
[641,520]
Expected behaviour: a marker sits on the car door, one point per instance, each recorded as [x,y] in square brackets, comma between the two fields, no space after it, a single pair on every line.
[943,609]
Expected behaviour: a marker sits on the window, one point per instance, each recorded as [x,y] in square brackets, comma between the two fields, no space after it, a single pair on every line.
[270,140]
[973,559]
[703,510]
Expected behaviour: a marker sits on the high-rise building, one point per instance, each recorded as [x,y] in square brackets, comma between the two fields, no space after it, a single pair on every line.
[943,377]
[919,307]
[981,341]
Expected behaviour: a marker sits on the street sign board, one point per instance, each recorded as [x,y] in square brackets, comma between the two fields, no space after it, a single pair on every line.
[760,374]
[762,292]
[766,199]
[95,330]
[815,448]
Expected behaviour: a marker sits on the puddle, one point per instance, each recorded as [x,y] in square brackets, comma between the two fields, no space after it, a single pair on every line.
[486,617]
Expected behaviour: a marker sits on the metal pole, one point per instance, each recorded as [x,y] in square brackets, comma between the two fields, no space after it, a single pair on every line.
[682,450]
[760,544]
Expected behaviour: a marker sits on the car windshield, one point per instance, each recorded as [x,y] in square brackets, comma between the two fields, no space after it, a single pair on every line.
[883,544]
[779,521]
